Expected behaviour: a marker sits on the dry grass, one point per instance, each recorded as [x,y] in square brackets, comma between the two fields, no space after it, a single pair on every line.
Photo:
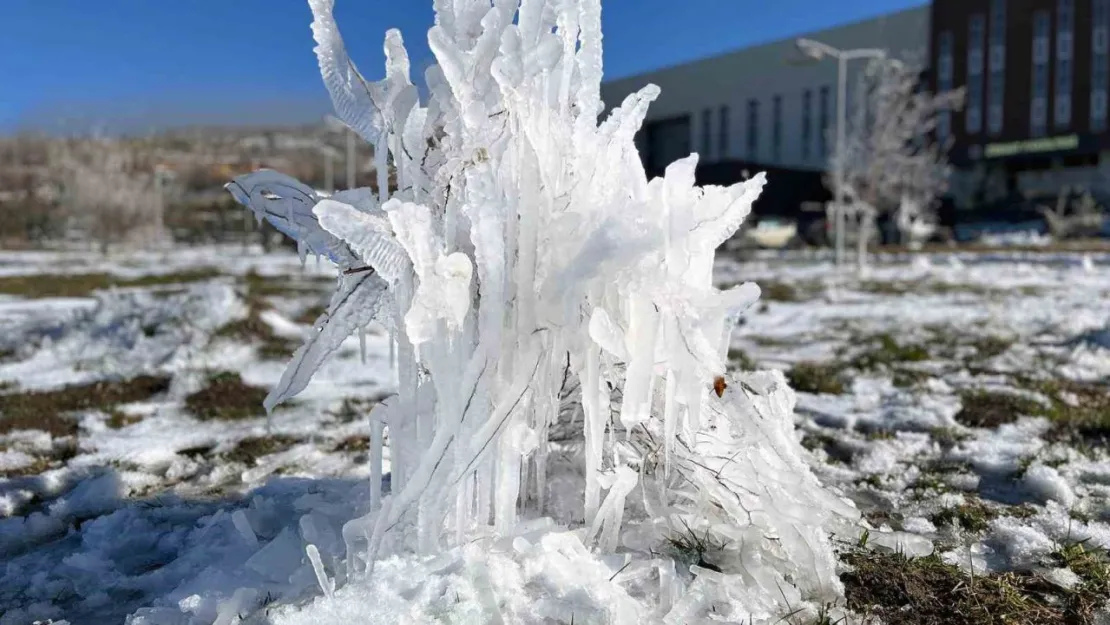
[926,591]
[817,378]
[778,291]
[883,352]
[118,420]
[1093,568]
[988,409]
[1079,411]
[354,444]
[309,315]
[48,410]
[739,359]
[971,516]
[353,409]
[837,452]
[253,330]
[226,398]
[249,450]
[38,286]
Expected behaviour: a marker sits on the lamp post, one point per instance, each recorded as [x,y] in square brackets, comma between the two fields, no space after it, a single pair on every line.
[329,153]
[816,51]
[335,125]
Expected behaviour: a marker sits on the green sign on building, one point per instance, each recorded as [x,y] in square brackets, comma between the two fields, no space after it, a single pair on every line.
[1031,146]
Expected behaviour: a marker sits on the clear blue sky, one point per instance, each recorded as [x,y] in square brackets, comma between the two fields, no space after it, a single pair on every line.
[251,60]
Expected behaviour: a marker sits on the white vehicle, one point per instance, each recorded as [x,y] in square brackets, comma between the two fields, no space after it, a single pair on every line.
[772,233]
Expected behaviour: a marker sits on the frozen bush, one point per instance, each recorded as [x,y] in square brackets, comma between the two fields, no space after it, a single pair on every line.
[534,280]
[107,195]
[890,160]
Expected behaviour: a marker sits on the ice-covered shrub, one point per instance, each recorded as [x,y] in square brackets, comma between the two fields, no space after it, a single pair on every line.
[536,282]
[107,194]
[890,160]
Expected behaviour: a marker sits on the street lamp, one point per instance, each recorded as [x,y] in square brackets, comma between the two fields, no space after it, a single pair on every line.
[816,51]
[335,125]
[329,153]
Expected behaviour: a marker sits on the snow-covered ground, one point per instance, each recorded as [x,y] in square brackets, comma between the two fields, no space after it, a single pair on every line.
[961,399]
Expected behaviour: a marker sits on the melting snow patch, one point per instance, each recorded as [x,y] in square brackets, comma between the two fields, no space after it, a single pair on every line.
[1048,485]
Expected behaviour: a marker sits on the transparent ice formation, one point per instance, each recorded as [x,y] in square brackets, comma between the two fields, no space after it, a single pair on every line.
[534,279]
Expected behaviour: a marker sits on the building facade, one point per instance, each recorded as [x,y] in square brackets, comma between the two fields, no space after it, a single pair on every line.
[759,105]
[1036,74]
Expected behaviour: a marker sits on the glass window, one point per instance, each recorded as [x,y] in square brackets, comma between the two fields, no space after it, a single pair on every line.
[944,82]
[722,132]
[776,128]
[823,122]
[1038,109]
[807,104]
[753,130]
[666,141]
[1100,33]
[1065,22]
[973,116]
[706,134]
[997,66]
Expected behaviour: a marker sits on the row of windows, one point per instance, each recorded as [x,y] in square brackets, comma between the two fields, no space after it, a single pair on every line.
[1100,34]
[1038,111]
[944,83]
[996,66]
[718,144]
[973,121]
[1065,26]
[986,58]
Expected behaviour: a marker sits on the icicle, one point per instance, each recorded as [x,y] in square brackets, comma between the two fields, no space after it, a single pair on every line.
[608,520]
[362,345]
[643,326]
[463,509]
[308,529]
[595,414]
[670,422]
[302,252]
[541,463]
[326,585]
[518,442]
[487,474]
[376,447]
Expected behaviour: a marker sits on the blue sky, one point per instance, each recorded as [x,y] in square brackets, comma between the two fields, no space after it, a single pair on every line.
[156,61]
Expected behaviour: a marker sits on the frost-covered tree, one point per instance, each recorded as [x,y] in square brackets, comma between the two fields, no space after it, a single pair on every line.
[891,161]
[107,194]
[542,293]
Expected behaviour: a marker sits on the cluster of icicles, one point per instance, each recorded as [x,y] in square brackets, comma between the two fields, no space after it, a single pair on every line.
[535,281]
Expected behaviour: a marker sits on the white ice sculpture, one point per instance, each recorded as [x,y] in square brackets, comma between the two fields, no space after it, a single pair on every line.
[534,279]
